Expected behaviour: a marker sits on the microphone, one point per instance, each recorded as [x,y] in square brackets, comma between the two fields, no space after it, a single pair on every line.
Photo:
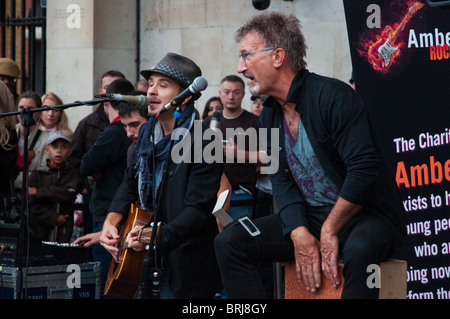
[215,121]
[140,100]
[199,84]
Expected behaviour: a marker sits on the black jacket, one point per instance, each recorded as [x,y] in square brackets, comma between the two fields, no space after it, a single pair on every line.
[340,132]
[108,157]
[57,185]
[189,228]
[86,133]
[8,165]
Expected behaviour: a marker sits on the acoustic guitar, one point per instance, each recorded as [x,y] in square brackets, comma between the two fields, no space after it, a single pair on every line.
[125,273]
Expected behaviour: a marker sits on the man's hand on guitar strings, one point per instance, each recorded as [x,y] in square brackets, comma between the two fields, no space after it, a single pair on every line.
[109,238]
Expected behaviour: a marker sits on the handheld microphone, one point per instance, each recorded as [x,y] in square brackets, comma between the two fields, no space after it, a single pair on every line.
[215,121]
[140,100]
[199,84]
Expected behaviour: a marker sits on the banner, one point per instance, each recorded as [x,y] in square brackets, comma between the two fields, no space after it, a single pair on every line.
[401,64]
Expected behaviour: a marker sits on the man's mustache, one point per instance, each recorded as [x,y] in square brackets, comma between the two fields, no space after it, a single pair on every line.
[248,75]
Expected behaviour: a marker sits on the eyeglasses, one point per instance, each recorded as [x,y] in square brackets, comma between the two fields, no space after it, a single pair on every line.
[244,54]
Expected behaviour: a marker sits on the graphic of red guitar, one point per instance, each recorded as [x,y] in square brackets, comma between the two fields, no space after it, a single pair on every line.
[382,50]
[389,47]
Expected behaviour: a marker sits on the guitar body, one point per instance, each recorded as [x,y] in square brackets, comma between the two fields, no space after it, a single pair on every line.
[125,274]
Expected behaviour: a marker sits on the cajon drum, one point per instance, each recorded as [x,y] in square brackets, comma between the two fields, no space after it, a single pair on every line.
[392,283]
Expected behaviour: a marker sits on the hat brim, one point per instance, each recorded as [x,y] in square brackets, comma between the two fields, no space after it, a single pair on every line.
[179,68]
[148,73]
[57,139]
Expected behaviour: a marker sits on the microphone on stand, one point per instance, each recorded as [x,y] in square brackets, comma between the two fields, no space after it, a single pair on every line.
[140,100]
[215,121]
[199,84]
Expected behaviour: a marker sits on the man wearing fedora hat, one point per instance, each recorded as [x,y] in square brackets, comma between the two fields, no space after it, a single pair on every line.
[185,244]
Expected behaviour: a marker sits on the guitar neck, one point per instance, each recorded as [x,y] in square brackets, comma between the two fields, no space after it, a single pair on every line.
[402,25]
[413,9]
[145,235]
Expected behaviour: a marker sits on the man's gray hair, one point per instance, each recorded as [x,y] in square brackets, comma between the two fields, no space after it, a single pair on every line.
[280,31]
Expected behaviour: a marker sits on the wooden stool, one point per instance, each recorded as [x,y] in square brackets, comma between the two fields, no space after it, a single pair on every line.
[392,283]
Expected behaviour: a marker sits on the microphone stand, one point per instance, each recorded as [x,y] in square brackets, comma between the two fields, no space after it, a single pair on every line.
[156,271]
[27,121]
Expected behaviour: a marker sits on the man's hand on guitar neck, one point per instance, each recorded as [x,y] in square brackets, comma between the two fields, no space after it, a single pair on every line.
[139,237]
[133,241]
[110,235]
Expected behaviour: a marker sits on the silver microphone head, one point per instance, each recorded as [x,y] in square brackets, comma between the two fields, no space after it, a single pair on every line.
[199,84]
[215,121]
[140,100]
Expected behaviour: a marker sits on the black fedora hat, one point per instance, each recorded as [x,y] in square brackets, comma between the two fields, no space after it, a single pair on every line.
[178,67]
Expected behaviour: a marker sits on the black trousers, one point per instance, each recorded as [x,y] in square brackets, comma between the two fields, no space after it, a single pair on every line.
[367,239]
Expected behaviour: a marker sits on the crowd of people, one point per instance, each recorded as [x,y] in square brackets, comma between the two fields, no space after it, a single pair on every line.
[332,198]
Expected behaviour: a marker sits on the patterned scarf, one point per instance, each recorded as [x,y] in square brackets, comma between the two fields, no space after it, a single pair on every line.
[146,148]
